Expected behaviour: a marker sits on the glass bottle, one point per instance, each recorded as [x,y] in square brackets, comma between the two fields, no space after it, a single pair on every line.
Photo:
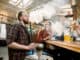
[67,36]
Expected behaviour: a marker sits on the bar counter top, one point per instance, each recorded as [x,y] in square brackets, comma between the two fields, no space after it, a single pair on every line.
[73,46]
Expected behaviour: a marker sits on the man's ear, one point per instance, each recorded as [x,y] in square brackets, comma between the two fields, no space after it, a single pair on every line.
[20,18]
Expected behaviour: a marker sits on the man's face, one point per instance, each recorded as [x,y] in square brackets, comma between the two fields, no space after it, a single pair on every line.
[25,17]
[79,26]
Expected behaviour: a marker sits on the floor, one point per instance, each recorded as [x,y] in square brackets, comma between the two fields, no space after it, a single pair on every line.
[4,53]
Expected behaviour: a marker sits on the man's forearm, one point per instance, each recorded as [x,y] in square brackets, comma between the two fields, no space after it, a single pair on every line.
[15,45]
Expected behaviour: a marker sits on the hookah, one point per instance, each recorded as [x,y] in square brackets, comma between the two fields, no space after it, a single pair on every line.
[39,50]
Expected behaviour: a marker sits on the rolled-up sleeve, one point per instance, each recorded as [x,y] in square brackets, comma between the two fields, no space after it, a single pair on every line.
[12,35]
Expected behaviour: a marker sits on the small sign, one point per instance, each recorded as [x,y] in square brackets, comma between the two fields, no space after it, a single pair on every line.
[2,31]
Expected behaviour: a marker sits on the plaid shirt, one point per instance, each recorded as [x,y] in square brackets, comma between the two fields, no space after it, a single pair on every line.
[18,34]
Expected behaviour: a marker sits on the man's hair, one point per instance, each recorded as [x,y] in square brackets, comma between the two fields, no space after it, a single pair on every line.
[19,15]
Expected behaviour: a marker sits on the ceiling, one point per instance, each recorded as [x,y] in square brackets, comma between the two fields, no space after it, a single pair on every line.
[12,10]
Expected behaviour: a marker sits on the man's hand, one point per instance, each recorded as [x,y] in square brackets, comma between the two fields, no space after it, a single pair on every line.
[46,38]
[32,46]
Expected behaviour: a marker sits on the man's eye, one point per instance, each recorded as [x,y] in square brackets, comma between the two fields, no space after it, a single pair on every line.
[25,15]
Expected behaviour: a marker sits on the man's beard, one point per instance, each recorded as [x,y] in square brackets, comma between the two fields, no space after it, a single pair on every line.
[25,22]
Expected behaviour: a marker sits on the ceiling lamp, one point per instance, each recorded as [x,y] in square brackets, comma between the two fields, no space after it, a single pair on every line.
[21,3]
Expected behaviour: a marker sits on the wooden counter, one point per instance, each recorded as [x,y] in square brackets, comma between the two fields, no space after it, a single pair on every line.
[73,46]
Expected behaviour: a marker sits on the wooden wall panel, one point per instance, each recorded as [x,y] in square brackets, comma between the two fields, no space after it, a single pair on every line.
[78,8]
